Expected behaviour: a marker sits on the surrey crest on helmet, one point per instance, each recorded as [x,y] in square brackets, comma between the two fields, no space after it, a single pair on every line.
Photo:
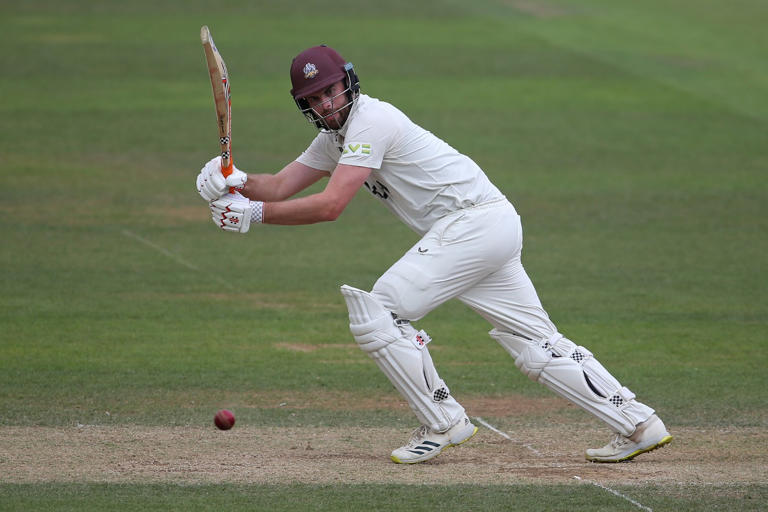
[310,70]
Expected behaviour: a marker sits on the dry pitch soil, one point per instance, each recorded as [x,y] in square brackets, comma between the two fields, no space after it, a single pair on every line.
[544,449]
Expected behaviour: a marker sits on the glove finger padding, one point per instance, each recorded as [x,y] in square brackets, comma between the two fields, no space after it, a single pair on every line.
[206,186]
[237,179]
[214,186]
[211,184]
[232,213]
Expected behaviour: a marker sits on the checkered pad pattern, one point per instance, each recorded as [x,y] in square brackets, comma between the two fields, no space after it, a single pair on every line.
[616,400]
[577,356]
[440,395]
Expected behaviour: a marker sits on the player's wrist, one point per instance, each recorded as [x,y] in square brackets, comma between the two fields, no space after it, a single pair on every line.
[257,212]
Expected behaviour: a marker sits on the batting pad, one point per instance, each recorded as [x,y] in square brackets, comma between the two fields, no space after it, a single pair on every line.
[573,373]
[400,351]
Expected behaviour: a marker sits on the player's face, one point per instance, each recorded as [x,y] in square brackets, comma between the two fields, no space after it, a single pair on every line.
[332,104]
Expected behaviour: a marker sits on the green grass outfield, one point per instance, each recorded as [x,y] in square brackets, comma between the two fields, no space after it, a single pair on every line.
[367,497]
[631,136]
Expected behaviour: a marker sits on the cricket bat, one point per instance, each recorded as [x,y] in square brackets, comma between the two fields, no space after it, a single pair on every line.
[222,98]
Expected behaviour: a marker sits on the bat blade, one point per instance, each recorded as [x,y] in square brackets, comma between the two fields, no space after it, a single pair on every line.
[217,70]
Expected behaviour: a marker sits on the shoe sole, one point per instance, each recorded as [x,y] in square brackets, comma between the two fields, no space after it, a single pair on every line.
[664,441]
[433,455]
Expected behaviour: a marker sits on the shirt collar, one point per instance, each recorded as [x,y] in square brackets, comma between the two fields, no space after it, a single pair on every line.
[343,130]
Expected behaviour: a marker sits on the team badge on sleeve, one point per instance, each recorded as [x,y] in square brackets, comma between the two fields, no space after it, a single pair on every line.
[356,148]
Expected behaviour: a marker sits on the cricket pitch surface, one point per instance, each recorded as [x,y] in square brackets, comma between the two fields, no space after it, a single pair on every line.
[250,454]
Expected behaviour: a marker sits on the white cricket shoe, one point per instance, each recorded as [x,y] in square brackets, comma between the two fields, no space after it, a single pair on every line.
[426,444]
[649,435]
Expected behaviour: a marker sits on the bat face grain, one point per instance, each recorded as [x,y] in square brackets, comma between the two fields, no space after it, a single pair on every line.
[217,70]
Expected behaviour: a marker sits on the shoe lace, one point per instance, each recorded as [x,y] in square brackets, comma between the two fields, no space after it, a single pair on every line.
[618,441]
[417,436]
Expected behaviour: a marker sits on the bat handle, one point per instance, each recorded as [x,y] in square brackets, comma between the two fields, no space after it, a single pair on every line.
[226,170]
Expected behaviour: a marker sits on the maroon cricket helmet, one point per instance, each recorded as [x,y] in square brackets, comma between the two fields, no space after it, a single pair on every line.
[316,68]
[312,71]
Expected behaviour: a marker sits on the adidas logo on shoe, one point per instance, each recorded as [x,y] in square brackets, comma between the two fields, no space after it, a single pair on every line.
[426,444]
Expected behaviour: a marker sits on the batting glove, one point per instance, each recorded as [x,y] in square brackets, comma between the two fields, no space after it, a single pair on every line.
[235,213]
[211,184]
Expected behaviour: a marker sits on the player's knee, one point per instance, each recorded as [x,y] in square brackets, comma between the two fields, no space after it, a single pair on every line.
[371,323]
[531,356]
[401,296]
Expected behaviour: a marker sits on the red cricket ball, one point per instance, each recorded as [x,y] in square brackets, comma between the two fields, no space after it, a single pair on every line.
[224,419]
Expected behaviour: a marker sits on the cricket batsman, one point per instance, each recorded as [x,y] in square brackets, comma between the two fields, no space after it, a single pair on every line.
[470,248]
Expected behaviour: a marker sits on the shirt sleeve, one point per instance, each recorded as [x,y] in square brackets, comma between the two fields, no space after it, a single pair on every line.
[368,138]
[322,154]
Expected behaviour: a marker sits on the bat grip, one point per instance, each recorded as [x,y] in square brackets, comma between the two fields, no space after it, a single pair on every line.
[226,171]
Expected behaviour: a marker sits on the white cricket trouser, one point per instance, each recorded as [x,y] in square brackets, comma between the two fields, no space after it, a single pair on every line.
[473,255]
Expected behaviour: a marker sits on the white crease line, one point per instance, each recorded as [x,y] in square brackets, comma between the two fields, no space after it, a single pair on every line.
[170,255]
[617,493]
[576,477]
[502,434]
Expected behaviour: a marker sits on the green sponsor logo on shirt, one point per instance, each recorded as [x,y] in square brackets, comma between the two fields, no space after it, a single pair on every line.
[357,148]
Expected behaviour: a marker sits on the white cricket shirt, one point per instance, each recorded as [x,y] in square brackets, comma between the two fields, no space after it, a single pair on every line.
[415,174]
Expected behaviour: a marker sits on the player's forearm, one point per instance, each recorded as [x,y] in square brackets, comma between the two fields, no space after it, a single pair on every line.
[304,210]
[264,187]
[292,179]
